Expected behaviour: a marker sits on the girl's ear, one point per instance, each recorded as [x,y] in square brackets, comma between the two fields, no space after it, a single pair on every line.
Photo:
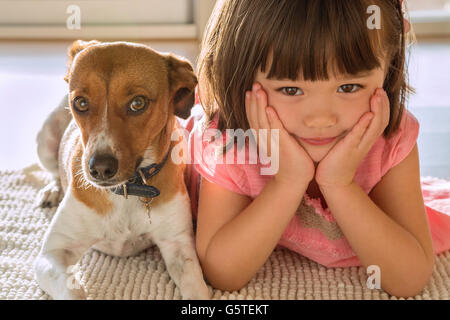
[74,49]
[182,82]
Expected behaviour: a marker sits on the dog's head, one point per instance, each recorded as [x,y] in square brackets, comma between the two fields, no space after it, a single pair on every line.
[124,97]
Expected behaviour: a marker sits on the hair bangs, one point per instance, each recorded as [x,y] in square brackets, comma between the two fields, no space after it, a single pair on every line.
[313,40]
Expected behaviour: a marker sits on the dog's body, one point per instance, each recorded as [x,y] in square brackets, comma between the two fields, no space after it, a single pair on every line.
[105,142]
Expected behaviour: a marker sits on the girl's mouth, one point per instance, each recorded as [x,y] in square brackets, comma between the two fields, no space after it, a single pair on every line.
[319,142]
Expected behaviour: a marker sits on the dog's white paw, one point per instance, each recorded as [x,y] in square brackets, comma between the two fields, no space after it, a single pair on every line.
[51,195]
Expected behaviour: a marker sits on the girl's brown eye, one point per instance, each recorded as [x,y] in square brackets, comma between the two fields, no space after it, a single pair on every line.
[292,91]
[81,104]
[349,88]
[138,103]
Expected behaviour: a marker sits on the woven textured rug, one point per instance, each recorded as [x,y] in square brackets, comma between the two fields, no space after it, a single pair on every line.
[286,275]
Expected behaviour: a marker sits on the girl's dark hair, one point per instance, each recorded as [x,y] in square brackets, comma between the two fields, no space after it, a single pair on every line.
[312,37]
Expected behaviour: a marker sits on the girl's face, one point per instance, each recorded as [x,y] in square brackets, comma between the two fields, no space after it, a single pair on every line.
[321,109]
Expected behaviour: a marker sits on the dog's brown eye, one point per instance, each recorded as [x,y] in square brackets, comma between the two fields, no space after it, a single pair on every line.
[80,104]
[138,103]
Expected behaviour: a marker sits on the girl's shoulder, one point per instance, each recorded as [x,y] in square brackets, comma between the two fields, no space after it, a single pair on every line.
[206,153]
[402,141]
[386,153]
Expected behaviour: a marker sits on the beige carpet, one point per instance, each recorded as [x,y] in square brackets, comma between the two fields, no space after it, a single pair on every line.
[286,275]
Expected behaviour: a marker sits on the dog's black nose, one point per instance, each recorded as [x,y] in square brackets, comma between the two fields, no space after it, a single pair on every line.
[103,166]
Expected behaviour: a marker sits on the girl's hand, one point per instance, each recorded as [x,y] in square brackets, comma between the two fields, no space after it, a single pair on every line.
[339,166]
[295,167]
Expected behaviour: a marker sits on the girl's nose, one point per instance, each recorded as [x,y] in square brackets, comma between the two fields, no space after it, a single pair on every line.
[320,121]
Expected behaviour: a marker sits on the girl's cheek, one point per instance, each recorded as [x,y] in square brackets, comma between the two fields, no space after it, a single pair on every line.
[351,111]
[279,105]
[362,103]
[273,99]
[284,110]
[364,108]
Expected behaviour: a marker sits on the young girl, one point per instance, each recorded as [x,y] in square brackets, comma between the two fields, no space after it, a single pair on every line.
[347,190]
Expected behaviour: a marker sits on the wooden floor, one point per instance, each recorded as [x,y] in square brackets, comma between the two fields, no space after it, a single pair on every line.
[31,85]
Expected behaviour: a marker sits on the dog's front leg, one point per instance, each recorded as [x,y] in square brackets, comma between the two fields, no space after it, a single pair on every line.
[54,273]
[183,266]
[66,240]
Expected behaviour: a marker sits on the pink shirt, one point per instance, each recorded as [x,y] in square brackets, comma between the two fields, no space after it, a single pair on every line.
[313,231]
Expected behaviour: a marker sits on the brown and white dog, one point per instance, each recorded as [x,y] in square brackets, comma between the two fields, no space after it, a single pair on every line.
[110,156]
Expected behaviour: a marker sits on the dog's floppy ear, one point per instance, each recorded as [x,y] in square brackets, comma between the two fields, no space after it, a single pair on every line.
[182,81]
[74,49]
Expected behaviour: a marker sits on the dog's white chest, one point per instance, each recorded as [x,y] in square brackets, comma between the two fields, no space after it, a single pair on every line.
[127,230]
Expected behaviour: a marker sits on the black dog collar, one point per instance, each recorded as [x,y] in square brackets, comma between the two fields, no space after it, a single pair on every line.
[137,184]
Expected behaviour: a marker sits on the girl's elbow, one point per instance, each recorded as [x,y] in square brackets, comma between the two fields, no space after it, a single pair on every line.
[421,279]
[222,278]
[225,284]
[413,284]
[405,292]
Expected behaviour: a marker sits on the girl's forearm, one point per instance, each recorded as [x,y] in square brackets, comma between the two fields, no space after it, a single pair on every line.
[242,246]
[379,240]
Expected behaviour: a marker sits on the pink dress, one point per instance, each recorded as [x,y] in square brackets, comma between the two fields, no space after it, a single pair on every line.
[313,231]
